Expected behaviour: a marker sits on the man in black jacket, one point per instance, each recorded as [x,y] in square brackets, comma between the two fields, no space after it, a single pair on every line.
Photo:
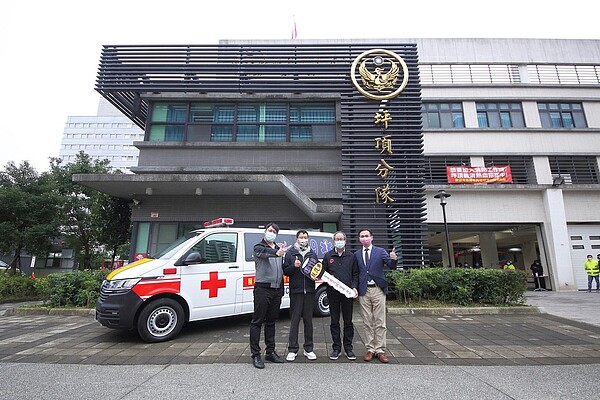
[302,295]
[341,264]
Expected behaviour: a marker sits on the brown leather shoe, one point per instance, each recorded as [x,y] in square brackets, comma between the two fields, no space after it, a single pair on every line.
[369,356]
[383,358]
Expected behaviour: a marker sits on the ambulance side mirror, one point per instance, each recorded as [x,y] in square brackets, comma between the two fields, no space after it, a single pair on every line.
[193,258]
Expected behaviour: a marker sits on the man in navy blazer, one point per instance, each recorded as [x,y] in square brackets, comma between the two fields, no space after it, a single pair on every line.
[372,288]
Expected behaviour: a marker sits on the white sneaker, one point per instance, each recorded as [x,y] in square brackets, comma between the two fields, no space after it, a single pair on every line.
[291,356]
[310,355]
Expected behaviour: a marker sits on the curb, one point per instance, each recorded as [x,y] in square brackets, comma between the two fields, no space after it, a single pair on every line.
[393,310]
[465,310]
[51,311]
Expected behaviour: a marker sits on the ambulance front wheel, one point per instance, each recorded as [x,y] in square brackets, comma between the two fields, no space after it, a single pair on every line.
[160,320]
[321,302]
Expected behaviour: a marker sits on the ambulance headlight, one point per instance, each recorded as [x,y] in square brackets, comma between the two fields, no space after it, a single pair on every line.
[117,285]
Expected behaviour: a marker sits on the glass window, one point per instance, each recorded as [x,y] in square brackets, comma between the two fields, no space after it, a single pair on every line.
[217,248]
[243,122]
[562,115]
[443,115]
[162,236]
[169,112]
[500,115]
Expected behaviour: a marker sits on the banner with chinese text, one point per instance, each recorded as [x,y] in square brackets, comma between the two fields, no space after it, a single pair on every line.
[494,174]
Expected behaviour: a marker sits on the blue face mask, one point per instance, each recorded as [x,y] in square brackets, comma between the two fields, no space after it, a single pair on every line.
[340,244]
[270,236]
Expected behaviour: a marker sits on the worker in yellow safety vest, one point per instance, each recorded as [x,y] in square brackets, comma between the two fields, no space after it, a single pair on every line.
[593,271]
[509,265]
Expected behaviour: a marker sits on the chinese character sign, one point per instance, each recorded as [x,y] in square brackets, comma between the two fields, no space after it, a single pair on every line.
[464,174]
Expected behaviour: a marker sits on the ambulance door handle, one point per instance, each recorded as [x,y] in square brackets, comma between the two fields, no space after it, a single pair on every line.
[234,266]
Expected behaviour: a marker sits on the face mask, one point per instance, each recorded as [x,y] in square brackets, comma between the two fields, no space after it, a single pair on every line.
[270,236]
[340,244]
[366,241]
[303,244]
[589,258]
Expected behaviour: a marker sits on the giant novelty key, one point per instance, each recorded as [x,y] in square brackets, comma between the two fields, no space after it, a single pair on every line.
[315,271]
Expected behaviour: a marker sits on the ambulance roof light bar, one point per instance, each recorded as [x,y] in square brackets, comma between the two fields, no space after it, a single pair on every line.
[218,222]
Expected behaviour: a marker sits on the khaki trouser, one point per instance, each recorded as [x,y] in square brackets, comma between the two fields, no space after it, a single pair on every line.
[372,309]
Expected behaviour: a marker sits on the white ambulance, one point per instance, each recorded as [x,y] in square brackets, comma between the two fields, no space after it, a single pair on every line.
[206,274]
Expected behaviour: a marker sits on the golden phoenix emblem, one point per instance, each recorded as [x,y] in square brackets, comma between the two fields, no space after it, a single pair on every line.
[379,72]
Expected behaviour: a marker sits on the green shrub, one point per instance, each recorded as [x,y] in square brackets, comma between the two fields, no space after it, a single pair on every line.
[75,289]
[16,287]
[460,286]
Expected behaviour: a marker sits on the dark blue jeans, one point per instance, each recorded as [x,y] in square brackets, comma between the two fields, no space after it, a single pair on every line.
[590,278]
[267,302]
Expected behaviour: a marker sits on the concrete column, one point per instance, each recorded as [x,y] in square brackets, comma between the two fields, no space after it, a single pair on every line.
[542,170]
[470,113]
[557,237]
[477,161]
[489,250]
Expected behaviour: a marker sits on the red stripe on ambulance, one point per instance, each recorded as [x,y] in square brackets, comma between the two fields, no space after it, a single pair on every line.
[151,287]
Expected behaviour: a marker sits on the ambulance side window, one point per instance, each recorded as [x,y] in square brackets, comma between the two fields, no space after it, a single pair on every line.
[250,239]
[217,248]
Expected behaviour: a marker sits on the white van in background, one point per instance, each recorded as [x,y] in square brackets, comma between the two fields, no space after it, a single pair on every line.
[207,274]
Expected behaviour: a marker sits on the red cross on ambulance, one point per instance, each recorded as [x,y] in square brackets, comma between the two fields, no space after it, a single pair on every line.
[213,284]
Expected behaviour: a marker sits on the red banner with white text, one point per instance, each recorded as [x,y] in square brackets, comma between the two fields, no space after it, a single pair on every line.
[463,174]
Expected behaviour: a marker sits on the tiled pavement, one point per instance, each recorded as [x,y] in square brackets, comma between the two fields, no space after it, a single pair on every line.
[466,340]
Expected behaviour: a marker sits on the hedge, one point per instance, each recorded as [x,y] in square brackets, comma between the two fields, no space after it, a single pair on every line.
[70,289]
[460,286]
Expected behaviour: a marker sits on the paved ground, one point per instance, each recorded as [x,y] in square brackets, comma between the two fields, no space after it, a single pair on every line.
[452,339]
[453,356]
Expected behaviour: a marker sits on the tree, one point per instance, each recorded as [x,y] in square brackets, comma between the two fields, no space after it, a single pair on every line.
[77,225]
[112,221]
[28,212]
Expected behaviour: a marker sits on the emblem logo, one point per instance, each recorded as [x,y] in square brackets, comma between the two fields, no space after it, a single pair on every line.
[379,71]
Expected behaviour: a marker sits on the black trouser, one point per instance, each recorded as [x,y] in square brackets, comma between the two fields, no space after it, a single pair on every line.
[267,302]
[301,306]
[338,302]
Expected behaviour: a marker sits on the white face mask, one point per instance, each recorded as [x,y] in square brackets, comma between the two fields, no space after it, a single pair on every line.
[303,243]
[340,244]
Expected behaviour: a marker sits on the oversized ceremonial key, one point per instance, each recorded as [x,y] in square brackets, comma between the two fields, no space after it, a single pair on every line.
[315,271]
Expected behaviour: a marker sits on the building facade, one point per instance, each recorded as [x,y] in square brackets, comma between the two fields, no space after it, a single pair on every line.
[281,131]
[109,135]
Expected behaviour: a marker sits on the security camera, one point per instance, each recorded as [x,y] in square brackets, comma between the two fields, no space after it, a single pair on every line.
[136,202]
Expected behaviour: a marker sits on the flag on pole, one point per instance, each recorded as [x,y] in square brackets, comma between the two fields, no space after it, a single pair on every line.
[294,32]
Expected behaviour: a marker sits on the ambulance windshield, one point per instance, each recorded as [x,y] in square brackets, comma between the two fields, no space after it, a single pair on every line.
[174,247]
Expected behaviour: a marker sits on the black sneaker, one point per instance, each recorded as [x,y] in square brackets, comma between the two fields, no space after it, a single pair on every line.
[350,355]
[273,357]
[335,354]
[258,363]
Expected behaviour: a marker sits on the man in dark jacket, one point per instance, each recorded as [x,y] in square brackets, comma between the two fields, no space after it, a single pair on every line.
[538,272]
[341,264]
[268,291]
[302,295]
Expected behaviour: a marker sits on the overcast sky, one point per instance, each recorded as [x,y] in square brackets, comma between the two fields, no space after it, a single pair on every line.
[50,50]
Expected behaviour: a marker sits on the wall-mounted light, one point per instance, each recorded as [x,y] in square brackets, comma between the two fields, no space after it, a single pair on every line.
[198,191]
[136,203]
[246,191]
[558,181]
[149,191]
